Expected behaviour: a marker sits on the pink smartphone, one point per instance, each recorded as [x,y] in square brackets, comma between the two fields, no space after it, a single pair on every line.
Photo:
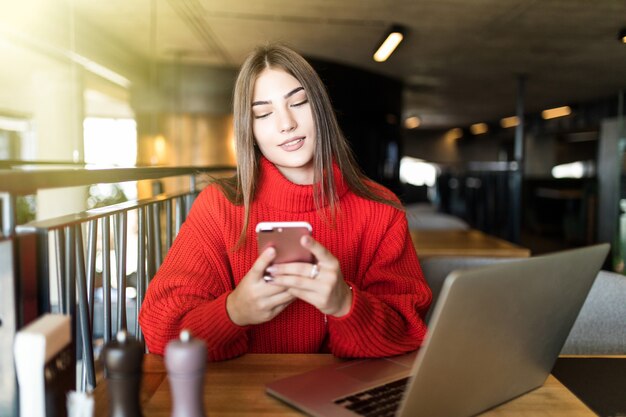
[285,238]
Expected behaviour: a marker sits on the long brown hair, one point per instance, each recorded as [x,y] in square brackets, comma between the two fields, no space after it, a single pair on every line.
[331,145]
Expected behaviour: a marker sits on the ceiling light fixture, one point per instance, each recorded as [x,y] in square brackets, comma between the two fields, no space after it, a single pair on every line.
[622,35]
[479,128]
[389,44]
[454,134]
[509,122]
[412,122]
[556,112]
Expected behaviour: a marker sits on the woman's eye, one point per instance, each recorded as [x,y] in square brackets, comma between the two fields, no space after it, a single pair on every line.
[300,103]
[261,116]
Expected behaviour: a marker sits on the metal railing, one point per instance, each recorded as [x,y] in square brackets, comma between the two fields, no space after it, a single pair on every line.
[29,177]
[67,248]
[8,327]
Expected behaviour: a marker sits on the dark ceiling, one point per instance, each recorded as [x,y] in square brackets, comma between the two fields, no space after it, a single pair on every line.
[459,62]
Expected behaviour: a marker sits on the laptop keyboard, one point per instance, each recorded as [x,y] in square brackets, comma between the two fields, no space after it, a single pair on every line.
[380,401]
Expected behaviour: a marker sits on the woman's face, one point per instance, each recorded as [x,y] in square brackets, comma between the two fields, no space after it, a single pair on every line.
[283,124]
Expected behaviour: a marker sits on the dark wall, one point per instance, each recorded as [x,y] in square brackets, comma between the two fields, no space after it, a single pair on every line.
[368,108]
[437,146]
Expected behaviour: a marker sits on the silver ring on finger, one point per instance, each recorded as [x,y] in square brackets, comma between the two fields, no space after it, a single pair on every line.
[315,270]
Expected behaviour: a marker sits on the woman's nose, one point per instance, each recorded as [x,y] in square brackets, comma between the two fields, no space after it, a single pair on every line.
[286,122]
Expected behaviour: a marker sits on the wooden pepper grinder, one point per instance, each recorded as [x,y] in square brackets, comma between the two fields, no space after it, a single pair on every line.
[123,358]
[185,359]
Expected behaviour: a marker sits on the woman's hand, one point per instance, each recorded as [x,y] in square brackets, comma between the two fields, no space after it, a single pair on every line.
[253,301]
[320,285]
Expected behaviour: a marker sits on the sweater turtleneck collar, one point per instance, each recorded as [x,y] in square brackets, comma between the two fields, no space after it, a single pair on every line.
[276,191]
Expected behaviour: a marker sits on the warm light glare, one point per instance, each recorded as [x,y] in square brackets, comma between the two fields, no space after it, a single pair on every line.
[479,128]
[556,112]
[159,144]
[388,46]
[456,133]
[110,141]
[159,147]
[417,172]
[509,122]
[100,70]
[412,122]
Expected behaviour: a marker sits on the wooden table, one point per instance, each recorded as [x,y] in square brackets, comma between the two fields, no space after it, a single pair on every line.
[470,242]
[237,388]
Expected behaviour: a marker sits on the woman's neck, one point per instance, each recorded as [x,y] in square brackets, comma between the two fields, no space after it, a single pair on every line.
[276,190]
[300,175]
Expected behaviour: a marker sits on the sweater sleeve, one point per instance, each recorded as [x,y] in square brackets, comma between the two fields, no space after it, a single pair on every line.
[387,311]
[189,292]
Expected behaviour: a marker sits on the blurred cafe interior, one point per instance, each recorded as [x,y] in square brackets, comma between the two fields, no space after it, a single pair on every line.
[498,123]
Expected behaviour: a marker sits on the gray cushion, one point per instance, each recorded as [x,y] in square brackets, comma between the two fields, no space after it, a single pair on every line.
[425,217]
[601,325]
[435,221]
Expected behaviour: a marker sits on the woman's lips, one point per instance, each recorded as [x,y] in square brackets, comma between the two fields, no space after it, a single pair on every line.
[293,144]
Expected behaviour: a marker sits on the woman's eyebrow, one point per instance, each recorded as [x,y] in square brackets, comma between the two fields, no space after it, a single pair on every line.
[289,94]
[292,92]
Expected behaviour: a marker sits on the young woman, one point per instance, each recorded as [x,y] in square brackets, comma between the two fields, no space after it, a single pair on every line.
[364,296]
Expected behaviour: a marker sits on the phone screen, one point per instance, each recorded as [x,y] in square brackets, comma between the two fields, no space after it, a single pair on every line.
[285,238]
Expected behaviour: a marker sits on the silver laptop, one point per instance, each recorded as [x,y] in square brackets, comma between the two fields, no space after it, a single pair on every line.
[495,334]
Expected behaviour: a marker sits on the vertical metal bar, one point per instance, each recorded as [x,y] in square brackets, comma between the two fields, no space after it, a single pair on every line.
[519,129]
[106,277]
[116,262]
[168,225]
[621,125]
[9,306]
[192,194]
[70,286]
[121,271]
[92,237]
[70,274]
[141,267]
[43,274]
[59,245]
[156,217]
[180,209]
[9,219]
[150,238]
[88,374]
[515,208]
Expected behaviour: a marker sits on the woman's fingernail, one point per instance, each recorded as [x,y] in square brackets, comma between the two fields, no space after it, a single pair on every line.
[306,240]
[270,269]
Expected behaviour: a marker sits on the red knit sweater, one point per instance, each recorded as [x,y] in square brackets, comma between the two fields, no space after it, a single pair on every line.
[370,240]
